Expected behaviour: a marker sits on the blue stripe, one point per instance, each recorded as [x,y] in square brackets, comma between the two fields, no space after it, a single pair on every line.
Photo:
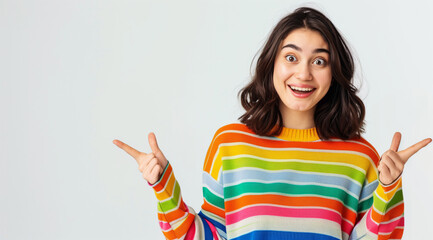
[207,231]
[368,190]
[271,235]
[215,223]
[215,186]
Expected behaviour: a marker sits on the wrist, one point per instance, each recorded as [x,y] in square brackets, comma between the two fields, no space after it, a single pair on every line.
[161,176]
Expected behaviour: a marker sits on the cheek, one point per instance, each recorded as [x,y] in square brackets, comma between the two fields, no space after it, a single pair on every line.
[324,79]
[281,71]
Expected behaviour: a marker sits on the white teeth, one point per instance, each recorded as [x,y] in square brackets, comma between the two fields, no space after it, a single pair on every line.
[301,89]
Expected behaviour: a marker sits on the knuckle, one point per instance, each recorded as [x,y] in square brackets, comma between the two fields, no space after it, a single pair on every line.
[154,161]
[400,167]
[141,168]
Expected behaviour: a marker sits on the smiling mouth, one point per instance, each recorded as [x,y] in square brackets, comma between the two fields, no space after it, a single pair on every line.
[301,90]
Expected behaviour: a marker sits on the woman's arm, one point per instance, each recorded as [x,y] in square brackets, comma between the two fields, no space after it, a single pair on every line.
[179,221]
[384,219]
[380,213]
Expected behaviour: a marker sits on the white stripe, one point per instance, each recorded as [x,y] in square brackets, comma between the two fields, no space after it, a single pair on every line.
[312,225]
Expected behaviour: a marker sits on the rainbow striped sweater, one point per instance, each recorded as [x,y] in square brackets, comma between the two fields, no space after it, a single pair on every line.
[290,186]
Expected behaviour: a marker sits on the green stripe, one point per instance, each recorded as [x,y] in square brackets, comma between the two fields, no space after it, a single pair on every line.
[212,198]
[396,199]
[285,188]
[353,173]
[384,206]
[364,205]
[378,203]
[172,202]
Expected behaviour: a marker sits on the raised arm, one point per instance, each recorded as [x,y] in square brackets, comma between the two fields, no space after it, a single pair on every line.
[176,219]
[381,208]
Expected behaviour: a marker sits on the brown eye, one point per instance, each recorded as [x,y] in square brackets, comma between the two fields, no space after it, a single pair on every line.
[320,61]
[290,58]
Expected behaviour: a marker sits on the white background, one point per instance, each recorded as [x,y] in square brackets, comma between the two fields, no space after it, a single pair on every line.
[74,75]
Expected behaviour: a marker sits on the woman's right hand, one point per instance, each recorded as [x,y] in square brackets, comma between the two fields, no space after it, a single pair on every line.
[151,165]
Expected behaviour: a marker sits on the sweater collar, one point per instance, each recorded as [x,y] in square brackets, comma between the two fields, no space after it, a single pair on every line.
[300,135]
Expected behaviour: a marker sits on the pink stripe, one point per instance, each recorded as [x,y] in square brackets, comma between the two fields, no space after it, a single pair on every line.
[191,232]
[213,229]
[401,222]
[283,212]
[384,228]
[389,227]
[164,225]
[371,226]
[346,227]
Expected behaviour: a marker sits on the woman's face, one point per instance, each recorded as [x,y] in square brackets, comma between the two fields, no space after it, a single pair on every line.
[303,61]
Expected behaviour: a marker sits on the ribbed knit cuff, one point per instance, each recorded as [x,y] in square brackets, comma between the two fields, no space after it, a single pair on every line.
[162,176]
[388,191]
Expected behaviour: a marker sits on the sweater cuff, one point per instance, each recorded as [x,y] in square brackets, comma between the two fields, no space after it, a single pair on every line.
[388,191]
[163,176]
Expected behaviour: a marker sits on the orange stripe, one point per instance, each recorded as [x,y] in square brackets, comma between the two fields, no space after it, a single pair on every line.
[393,213]
[240,137]
[161,184]
[183,228]
[206,206]
[169,234]
[172,215]
[396,185]
[168,192]
[175,214]
[396,234]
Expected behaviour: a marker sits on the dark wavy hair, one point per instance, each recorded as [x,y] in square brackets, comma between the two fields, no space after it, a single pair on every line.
[340,113]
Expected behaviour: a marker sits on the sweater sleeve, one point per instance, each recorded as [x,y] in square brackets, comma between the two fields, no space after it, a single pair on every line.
[178,220]
[380,210]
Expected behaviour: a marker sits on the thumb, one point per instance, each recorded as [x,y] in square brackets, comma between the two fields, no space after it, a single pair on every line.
[153,143]
[395,141]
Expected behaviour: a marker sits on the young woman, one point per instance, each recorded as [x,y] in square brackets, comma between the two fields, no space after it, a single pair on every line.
[296,167]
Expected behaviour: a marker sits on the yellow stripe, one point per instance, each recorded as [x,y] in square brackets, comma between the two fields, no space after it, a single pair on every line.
[352,158]
[388,195]
[168,190]
[216,165]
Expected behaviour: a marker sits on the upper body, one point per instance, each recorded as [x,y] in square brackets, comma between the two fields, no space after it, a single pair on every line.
[290,186]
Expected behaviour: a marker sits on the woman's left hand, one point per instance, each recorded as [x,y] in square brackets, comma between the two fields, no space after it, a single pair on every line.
[392,162]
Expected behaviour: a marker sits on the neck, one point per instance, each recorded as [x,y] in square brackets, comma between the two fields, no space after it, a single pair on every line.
[297,119]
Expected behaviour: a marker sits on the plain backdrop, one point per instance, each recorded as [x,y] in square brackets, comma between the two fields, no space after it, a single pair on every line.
[76,74]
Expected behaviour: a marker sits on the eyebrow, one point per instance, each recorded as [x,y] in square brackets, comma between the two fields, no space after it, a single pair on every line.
[317,50]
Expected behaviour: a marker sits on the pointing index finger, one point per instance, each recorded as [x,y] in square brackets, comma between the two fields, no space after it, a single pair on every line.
[408,152]
[128,149]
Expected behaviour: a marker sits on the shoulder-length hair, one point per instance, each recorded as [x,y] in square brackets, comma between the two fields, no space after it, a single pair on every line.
[340,113]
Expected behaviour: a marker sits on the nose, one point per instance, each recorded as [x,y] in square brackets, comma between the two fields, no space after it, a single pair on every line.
[303,72]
